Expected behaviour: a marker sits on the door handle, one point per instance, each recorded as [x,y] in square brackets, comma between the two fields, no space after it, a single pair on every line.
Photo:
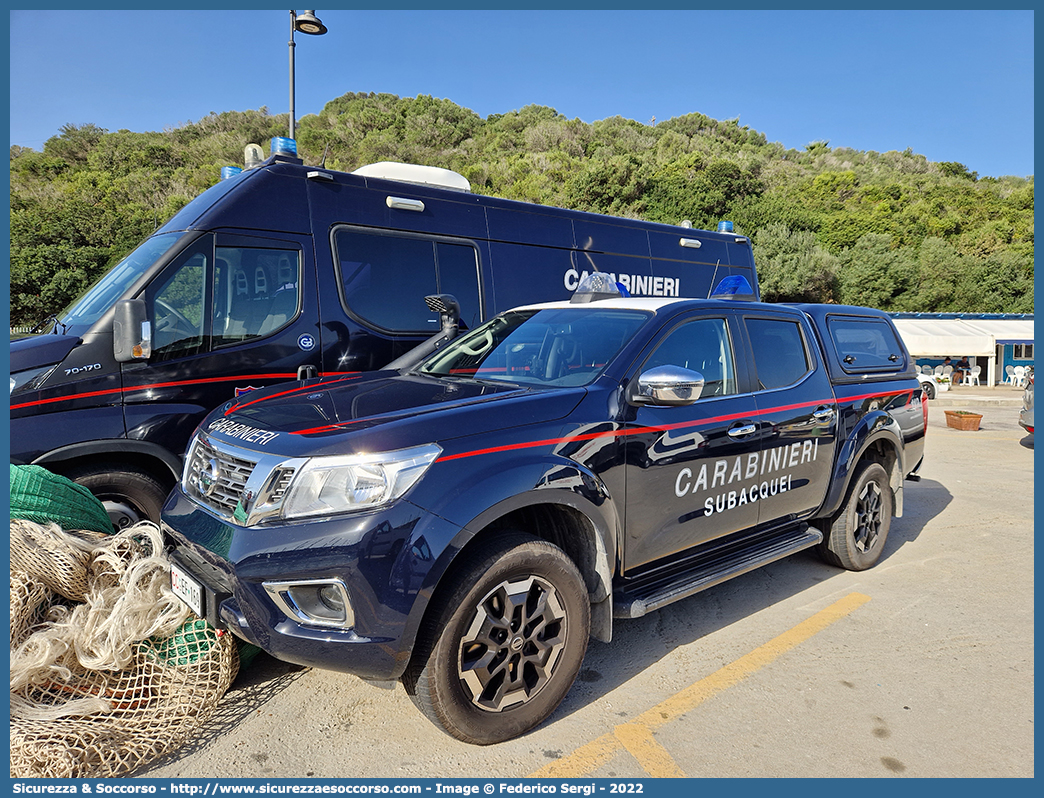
[746,429]
[823,414]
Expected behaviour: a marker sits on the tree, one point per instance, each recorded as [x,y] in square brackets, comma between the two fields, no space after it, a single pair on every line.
[793,267]
[875,274]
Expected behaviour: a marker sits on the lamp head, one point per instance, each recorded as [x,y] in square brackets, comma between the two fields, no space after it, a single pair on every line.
[308,22]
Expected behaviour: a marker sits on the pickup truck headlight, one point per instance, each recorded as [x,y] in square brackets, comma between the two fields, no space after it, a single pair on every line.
[343,483]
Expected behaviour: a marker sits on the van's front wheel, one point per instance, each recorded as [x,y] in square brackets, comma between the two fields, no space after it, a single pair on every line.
[129,495]
[504,643]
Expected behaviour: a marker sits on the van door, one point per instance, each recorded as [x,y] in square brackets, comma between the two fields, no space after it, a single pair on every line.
[229,315]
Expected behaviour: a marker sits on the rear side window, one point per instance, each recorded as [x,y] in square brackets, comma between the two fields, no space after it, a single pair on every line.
[385,278]
[866,344]
[780,357]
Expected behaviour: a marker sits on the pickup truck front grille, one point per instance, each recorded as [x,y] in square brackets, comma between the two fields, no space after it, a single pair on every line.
[216,477]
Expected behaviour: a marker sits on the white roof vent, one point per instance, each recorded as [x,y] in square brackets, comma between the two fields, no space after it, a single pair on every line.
[413,173]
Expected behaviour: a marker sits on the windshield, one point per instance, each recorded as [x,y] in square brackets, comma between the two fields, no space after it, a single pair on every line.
[559,346]
[114,284]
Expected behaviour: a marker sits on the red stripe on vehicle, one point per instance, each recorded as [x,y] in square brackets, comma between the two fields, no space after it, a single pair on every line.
[665,428]
[300,389]
[136,388]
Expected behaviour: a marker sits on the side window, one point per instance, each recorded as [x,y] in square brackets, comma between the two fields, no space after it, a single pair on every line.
[779,352]
[256,292]
[177,303]
[458,275]
[701,345]
[864,344]
[385,278]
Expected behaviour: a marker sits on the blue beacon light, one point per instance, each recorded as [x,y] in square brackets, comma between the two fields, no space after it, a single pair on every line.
[283,146]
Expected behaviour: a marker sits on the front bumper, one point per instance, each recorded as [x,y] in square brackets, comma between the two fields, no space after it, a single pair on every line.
[388,560]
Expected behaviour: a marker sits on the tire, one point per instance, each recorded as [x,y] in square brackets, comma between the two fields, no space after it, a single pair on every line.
[130,495]
[857,536]
[478,671]
[929,389]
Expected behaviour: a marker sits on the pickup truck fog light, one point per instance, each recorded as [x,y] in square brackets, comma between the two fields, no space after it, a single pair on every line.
[319,602]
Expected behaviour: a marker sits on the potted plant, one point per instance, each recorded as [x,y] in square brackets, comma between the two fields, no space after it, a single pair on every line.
[963,420]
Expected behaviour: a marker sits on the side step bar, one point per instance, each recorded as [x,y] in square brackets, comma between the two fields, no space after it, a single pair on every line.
[720,562]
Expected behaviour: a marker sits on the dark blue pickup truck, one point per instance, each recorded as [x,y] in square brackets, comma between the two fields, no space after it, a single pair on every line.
[466,520]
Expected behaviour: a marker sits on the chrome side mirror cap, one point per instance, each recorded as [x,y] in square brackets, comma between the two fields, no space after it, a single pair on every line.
[670,386]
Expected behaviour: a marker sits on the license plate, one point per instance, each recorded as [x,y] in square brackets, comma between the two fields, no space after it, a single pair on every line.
[187,589]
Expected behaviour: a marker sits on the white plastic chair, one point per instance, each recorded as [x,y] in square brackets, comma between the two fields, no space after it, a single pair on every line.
[938,370]
[1020,376]
[926,370]
[947,371]
[1009,372]
[972,377]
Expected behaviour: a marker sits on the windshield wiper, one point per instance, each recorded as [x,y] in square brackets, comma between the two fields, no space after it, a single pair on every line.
[52,318]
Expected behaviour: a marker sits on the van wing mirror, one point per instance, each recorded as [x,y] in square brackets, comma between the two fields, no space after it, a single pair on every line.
[131,331]
[668,385]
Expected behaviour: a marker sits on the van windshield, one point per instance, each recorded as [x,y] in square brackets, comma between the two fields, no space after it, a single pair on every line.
[554,346]
[78,318]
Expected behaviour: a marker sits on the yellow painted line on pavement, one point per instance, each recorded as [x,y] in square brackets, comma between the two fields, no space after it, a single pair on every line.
[596,753]
[639,741]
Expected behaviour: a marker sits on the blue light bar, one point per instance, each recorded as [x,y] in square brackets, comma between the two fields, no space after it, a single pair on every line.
[733,287]
[284,146]
[229,171]
[724,226]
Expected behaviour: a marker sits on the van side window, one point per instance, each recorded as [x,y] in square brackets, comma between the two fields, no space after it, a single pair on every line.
[209,297]
[256,292]
[177,306]
[701,345]
[866,344]
[779,352]
[384,279]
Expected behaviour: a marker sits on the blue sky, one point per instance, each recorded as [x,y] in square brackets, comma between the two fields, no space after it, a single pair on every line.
[950,85]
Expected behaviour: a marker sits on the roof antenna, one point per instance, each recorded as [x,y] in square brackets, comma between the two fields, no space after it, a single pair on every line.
[322,164]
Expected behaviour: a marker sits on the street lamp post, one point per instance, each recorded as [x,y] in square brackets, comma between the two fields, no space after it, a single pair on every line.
[308,23]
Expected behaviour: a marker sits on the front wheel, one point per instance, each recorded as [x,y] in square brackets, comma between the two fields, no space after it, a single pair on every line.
[857,537]
[130,495]
[503,644]
[929,389]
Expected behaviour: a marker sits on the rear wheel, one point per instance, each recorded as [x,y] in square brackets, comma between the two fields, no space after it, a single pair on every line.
[929,389]
[857,537]
[129,494]
[504,643]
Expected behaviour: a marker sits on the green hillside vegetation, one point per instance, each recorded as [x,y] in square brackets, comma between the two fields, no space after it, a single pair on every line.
[890,230]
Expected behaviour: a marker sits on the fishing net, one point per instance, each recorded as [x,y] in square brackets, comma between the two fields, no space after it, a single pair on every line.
[108,669]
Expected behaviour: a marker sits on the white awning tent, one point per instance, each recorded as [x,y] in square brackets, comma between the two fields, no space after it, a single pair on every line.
[944,338]
[1006,331]
[934,337]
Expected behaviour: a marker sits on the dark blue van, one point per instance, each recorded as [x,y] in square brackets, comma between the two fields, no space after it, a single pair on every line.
[287,271]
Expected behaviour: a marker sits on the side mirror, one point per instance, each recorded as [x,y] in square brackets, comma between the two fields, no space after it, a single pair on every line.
[671,386]
[131,331]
